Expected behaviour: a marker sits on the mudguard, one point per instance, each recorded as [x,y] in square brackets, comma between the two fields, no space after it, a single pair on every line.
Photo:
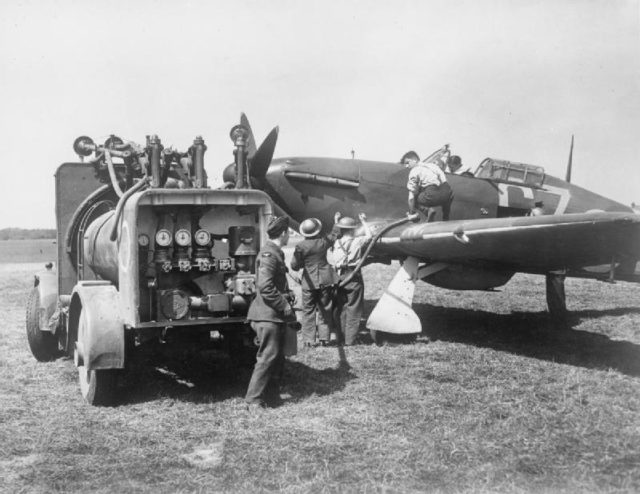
[95,318]
[46,282]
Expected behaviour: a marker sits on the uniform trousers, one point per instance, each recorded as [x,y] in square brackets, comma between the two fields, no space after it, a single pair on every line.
[321,299]
[350,305]
[264,387]
[434,195]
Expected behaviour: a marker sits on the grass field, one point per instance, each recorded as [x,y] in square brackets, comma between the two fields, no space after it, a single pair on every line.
[36,250]
[491,398]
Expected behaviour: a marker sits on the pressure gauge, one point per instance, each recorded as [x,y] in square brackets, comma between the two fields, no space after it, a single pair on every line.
[143,240]
[202,238]
[183,237]
[163,238]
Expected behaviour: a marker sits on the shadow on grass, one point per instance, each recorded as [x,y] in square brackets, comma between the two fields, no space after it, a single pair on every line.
[302,381]
[533,334]
[212,376]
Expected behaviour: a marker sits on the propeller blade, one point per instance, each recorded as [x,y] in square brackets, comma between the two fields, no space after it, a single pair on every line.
[251,142]
[259,163]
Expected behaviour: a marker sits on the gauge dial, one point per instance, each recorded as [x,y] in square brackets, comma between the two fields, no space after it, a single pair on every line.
[202,238]
[183,237]
[163,238]
[143,240]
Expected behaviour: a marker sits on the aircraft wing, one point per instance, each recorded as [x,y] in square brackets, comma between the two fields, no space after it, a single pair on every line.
[535,244]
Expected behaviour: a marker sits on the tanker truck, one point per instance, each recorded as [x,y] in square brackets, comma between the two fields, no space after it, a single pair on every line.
[147,252]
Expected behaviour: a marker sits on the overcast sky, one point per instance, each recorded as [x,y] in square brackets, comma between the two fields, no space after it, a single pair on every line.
[507,79]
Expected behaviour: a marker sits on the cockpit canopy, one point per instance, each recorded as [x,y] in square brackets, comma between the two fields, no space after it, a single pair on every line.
[510,172]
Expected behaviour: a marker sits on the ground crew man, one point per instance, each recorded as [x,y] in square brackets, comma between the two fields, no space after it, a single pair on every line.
[269,312]
[318,280]
[428,188]
[347,252]
[454,165]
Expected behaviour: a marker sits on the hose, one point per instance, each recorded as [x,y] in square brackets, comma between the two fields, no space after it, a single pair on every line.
[89,201]
[141,184]
[374,239]
[112,173]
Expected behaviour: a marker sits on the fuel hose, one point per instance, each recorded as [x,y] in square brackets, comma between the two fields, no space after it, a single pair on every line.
[139,186]
[374,239]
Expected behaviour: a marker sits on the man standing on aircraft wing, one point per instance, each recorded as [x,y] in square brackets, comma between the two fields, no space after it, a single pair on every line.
[428,188]
[318,280]
[269,312]
[347,252]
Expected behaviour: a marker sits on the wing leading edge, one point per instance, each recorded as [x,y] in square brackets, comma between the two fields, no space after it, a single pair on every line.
[535,244]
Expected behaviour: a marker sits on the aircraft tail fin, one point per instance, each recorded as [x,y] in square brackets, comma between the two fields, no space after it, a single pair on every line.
[570,162]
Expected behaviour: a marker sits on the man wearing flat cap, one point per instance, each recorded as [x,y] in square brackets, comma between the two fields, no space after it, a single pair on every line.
[269,313]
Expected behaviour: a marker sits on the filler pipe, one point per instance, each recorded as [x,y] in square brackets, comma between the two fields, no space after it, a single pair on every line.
[374,239]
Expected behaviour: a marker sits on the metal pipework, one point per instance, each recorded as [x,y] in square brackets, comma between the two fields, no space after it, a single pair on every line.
[239,136]
[155,150]
[197,153]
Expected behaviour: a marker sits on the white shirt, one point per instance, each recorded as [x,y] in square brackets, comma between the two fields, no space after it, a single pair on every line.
[347,251]
[423,175]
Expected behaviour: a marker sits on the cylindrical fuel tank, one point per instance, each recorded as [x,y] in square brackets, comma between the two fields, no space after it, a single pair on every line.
[100,253]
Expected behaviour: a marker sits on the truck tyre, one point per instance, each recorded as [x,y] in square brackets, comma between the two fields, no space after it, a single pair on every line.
[98,386]
[43,344]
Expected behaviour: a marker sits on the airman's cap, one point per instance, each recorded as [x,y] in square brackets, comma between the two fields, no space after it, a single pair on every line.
[454,160]
[277,225]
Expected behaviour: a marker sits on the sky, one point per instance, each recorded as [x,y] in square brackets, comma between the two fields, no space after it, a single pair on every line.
[509,79]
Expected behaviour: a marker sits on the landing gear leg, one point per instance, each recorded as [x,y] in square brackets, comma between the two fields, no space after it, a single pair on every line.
[393,313]
[556,299]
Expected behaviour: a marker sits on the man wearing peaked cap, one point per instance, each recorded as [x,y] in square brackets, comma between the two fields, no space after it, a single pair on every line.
[318,280]
[268,314]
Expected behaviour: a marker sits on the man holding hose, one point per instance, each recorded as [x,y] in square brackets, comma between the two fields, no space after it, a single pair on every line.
[347,252]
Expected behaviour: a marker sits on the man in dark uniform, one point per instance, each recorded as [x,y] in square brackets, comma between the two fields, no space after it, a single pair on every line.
[269,312]
[318,280]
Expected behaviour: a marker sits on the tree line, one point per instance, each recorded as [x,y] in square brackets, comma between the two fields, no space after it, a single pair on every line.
[26,234]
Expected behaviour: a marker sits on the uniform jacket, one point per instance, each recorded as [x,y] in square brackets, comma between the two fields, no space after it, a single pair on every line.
[272,287]
[311,256]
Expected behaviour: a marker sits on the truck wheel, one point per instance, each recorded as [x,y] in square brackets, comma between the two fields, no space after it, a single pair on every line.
[43,344]
[98,387]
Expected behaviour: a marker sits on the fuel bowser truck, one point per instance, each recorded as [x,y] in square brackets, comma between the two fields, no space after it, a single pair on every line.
[147,252]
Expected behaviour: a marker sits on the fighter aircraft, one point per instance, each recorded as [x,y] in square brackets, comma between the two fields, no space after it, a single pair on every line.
[508,217]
